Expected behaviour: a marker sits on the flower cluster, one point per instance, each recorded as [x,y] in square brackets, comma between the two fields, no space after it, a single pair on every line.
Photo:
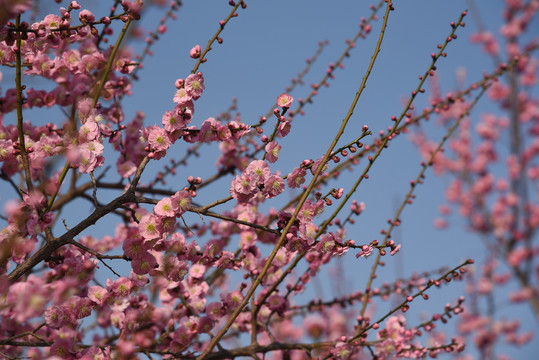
[190,272]
[255,179]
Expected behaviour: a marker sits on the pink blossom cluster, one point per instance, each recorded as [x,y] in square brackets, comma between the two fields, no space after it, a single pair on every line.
[255,179]
[179,276]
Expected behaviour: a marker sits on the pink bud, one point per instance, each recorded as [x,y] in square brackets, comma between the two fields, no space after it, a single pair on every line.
[195,52]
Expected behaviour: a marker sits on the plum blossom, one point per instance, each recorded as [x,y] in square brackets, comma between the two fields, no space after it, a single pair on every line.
[173,268]
[307,212]
[172,122]
[273,186]
[209,130]
[194,85]
[284,100]
[181,202]
[88,131]
[342,350]
[272,151]
[215,310]
[164,208]
[134,6]
[158,139]
[197,271]
[327,243]
[366,251]
[284,128]
[61,348]
[296,178]
[125,168]
[317,164]
[88,161]
[121,287]
[277,302]
[195,52]
[150,227]
[260,170]
[98,294]
[54,317]
[181,97]
[244,188]
[232,300]
[86,16]
[133,247]
[142,265]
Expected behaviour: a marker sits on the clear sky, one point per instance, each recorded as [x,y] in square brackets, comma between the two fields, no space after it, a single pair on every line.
[266,46]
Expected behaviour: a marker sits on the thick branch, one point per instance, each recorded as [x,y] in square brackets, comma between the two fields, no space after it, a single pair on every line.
[45,252]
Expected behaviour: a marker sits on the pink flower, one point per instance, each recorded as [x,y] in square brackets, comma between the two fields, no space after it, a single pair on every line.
[94,147]
[205,324]
[181,202]
[277,303]
[357,208]
[185,111]
[133,247]
[243,188]
[197,271]
[284,128]
[174,269]
[182,336]
[342,350]
[121,287]
[88,161]
[284,100]
[77,308]
[84,106]
[223,132]
[172,122]
[86,17]
[164,208]
[296,178]
[98,294]
[54,317]
[232,300]
[272,151]
[208,130]
[134,7]
[366,251]
[158,139]
[215,310]
[273,186]
[489,41]
[195,52]
[168,224]
[149,227]
[307,212]
[95,353]
[89,131]
[125,168]
[181,97]
[117,319]
[35,199]
[316,165]
[259,169]
[61,348]
[194,85]
[143,264]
